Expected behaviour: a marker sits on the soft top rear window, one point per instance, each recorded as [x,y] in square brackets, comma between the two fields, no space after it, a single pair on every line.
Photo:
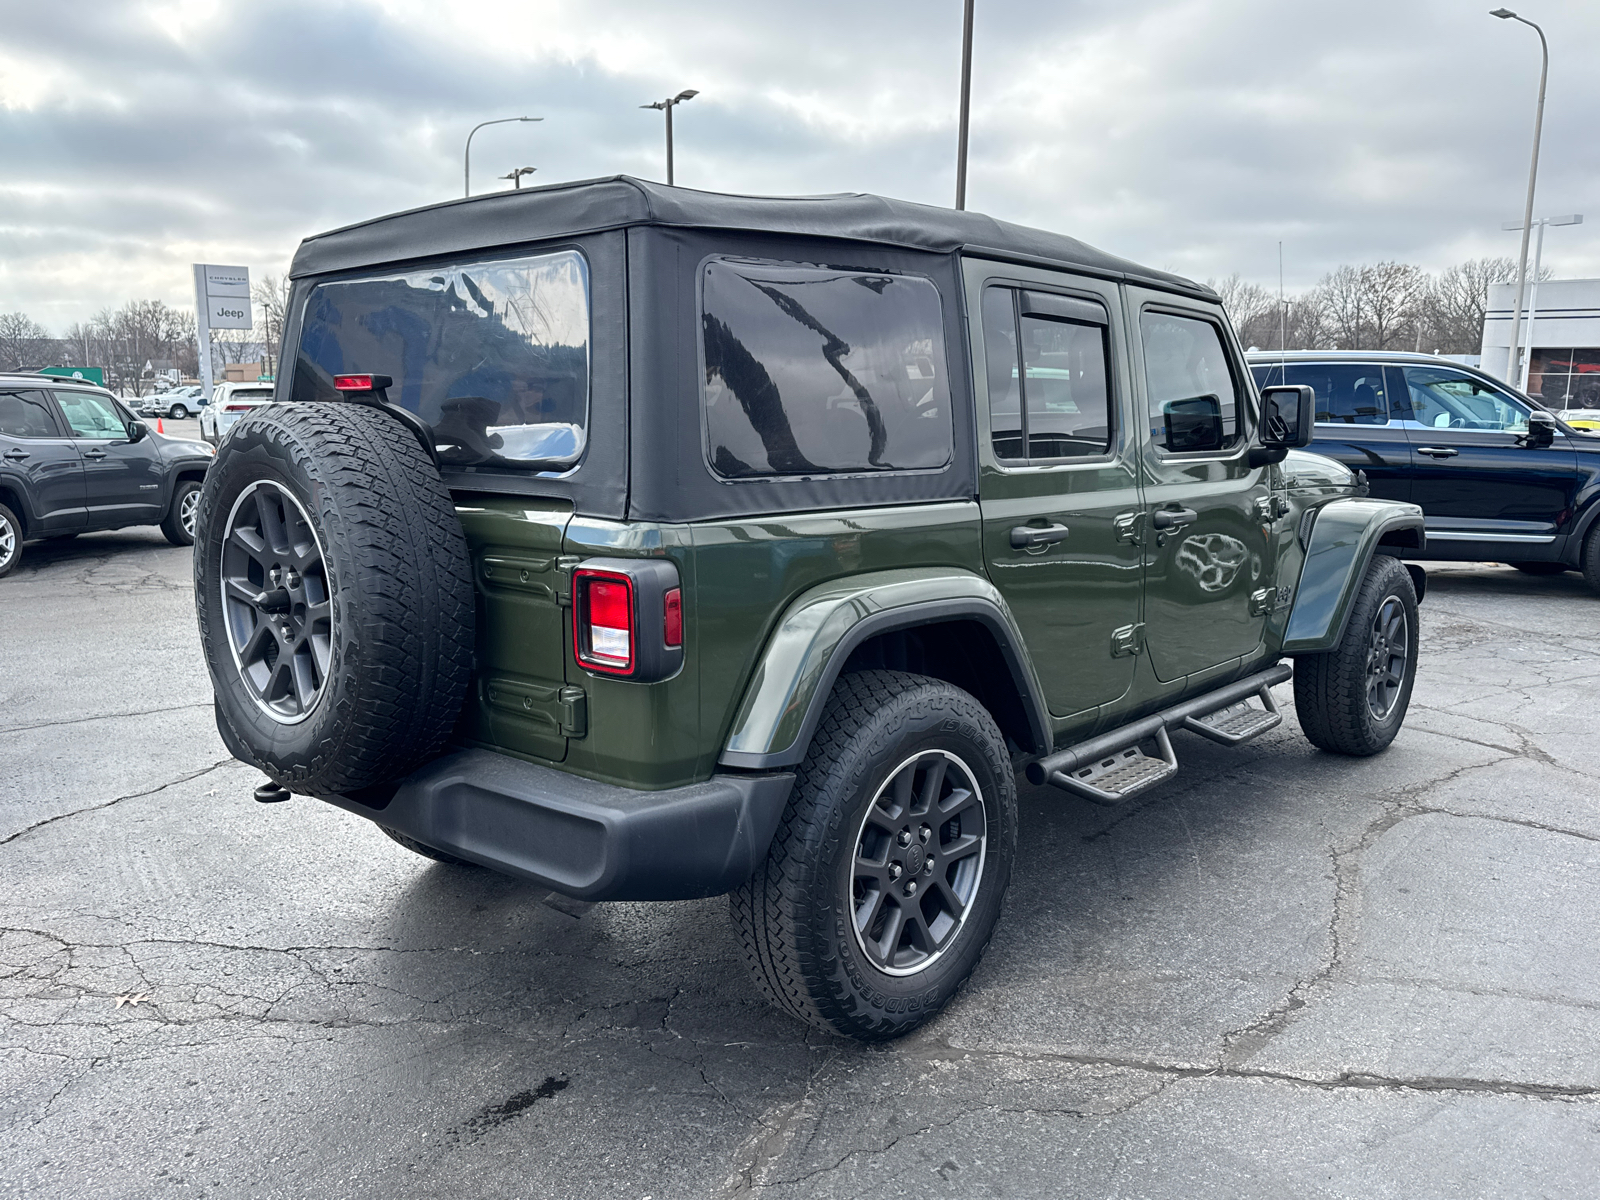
[493,355]
[816,371]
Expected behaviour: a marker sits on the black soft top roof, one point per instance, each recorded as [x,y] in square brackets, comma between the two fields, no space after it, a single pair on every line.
[589,206]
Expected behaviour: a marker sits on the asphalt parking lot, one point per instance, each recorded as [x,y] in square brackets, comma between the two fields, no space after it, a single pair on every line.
[1281,974]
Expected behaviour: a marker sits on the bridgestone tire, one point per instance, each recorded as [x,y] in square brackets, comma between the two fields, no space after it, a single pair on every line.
[795,914]
[1331,689]
[1540,568]
[172,524]
[399,596]
[426,850]
[10,541]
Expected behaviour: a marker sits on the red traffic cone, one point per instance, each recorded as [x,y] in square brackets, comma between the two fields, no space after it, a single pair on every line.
[160,428]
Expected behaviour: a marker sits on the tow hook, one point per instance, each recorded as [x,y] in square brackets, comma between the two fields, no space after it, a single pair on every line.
[272,792]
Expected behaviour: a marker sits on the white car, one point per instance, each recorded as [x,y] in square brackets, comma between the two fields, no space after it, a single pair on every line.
[176,404]
[229,402]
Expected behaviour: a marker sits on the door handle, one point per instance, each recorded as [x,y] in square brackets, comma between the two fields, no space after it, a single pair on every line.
[1173,518]
[16,455]
[1438,451]
[1028,537]
[95,454]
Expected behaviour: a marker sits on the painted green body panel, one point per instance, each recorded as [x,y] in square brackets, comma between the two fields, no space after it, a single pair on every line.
[795,664]
[520,658]
[1343,537]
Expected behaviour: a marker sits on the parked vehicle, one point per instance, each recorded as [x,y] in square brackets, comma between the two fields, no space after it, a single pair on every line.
[73,460]
[229,402]
[652,544]
[1584,420]
[175,405]
[1498,477]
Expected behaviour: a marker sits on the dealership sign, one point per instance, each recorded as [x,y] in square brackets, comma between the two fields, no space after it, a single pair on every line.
[223,294]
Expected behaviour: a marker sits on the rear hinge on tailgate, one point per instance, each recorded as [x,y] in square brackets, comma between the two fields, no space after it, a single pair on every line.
[564,709]
[563,573]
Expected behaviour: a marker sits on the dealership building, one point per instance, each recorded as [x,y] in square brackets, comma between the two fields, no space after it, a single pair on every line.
[1564,371]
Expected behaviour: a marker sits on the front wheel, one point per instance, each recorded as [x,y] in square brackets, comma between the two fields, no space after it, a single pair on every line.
[177,413]
[179,523]
[886,875]
[1353,698]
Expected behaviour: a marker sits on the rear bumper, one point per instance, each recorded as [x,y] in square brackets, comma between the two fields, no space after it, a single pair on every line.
[590,840]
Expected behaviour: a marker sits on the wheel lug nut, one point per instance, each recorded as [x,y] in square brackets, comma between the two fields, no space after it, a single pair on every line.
[905,837]
[911,888]
[927,866]
[924,833]
[894,870]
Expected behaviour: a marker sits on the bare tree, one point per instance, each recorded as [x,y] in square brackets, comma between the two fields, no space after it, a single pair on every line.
[271,294]
[24,343]
[1373,307]
[1459,299]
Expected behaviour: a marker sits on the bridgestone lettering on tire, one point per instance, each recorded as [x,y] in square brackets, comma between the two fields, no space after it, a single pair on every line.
[1353,699]
[904,811]
[349,666]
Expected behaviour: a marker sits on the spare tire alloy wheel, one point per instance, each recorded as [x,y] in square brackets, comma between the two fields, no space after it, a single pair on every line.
[334,592]
[919,862]
[275,599]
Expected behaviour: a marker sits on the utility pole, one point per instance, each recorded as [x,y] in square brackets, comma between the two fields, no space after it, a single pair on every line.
[466,158]
[1510,373]
[966,105]
[667,106]
[1533,289]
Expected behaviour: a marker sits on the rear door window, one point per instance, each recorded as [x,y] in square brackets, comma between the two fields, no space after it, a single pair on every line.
[1049,391]
[1347,393]
[814,371]
[1193,398]
[493,355]
[26,415]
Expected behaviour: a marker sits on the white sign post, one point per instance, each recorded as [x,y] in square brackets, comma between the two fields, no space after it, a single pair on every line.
[221,301]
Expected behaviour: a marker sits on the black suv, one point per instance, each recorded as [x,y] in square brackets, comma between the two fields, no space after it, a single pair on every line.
[73,459]
[1498,478]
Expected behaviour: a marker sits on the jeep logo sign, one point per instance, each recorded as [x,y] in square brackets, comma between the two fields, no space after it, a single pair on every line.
[223,294]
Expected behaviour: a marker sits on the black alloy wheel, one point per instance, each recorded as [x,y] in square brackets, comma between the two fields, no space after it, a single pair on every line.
[1388,653]
[919,862]
[275,597]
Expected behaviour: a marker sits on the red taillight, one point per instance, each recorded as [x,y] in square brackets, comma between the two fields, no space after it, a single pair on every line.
[603,624]
[672,617]
[352,383]
[237,407]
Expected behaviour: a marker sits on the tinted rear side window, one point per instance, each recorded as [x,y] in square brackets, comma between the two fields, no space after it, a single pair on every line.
[812,371]
[1347,393]
[25,414]
[493,355]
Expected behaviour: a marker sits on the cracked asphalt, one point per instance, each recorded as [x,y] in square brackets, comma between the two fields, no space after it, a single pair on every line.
[1281,974]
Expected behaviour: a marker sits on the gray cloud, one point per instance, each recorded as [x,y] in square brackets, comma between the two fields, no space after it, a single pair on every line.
[1189,135]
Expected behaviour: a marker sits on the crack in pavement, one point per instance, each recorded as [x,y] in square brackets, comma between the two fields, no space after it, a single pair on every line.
[146,712]
[78,812]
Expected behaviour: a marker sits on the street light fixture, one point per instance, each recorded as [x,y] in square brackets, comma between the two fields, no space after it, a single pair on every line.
[1533,288]
[667,106]
[516,176]
[1510,374]
[466,159]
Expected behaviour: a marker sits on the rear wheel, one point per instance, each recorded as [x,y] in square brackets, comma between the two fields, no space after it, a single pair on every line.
[1353,699]
[10,540]
[886,875]
[1591,559]
[1540,568]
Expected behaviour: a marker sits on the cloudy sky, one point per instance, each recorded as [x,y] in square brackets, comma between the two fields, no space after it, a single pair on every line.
[137,138]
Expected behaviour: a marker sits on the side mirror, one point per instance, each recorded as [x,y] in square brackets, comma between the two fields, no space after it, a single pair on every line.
[1541,430]
[137,431]
[1193,425]
[1288,412]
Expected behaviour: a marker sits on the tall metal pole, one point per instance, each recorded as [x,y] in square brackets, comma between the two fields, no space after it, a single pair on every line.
[966,105]
[1533,303]
[1510,373]
[670,107]
[466,158]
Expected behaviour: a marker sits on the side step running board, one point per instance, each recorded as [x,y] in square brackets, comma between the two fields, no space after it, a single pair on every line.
[1110,768]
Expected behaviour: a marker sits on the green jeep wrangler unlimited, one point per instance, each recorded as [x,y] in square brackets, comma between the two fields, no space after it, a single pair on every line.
[652,544]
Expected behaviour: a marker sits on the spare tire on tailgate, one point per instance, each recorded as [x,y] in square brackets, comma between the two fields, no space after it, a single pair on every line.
[334,591]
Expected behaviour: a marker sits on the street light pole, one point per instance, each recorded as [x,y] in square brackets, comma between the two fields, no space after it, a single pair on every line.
[466,158]
[1533,285]
[1510,373]
[667,106]
[966,104]
[516,176]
